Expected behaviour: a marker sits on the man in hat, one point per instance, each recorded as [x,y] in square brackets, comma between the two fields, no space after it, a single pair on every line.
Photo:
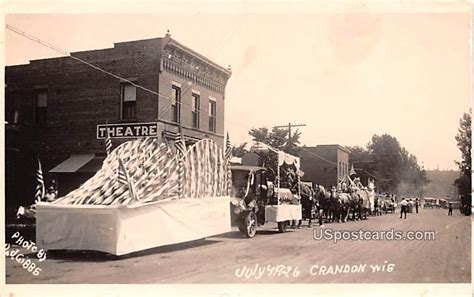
[450,209]
[404,206]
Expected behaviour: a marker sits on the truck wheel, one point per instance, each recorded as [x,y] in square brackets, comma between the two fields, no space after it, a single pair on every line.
[250,225]
[282,226]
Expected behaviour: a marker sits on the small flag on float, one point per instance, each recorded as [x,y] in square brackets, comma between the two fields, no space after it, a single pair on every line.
[108,144]
[40,190]
[352,172]
[228,148]
[180,143]
[228,155]
[124,178]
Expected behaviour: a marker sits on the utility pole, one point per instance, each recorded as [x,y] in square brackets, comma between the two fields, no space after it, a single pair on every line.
[289,127]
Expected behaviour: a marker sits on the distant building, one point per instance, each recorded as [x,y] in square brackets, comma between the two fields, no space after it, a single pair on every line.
[53,107]
[325,164]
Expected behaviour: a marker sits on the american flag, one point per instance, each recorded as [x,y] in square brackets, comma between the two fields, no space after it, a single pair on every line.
[180,143]
[40,190]
[108,144]
[228,155]
[228,148]
[124,178]
[352,172]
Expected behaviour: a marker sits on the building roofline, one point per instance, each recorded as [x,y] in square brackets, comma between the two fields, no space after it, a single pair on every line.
[168,40]
[343,148]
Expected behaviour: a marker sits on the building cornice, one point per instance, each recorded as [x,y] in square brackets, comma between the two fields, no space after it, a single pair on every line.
[170,42]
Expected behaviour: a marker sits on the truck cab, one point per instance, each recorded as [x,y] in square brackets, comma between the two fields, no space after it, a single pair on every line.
[252,189]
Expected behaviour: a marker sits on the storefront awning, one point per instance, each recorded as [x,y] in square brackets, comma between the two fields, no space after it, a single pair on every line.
[79,163]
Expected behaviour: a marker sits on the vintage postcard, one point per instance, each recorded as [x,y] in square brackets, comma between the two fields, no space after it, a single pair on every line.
[321,146]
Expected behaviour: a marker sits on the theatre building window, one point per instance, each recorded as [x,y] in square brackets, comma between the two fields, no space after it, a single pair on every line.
[195,109]
[129,101]
[212,115]
[41,107]
[176,104]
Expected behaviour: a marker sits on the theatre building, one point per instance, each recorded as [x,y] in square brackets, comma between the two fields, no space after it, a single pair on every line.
[61,109]
[325,164]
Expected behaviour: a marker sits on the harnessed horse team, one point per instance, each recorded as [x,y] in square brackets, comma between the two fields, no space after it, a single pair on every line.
[337,205]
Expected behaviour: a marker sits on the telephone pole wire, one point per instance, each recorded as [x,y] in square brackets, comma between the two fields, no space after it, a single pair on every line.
[289,126]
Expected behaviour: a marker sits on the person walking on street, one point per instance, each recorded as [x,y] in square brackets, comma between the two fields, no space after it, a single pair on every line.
[404,206]
[450,211]
[417,203]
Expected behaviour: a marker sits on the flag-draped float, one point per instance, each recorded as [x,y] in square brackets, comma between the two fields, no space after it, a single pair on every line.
[145,195]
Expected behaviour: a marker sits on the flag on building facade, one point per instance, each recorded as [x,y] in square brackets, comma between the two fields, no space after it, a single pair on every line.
[124,178]
[40,190]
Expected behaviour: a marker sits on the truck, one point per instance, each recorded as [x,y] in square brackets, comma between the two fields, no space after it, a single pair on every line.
[261,194]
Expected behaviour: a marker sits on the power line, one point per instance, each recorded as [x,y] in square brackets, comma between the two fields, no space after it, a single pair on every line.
[282,138]
[165,110]
[289,128]
[65,53]
[324,159]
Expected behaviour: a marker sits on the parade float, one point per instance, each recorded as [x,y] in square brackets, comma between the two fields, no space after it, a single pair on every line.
[145,195]
[262,193]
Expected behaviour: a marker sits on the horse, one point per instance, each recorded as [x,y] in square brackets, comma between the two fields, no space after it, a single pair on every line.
[323,202]
[364,200]
[341,203]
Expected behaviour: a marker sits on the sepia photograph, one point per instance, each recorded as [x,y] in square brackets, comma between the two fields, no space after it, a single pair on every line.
[264,144]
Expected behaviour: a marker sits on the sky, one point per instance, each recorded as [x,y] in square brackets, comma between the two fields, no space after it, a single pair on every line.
[347,74]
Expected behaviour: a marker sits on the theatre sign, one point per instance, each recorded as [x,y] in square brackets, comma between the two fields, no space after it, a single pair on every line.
[125,130]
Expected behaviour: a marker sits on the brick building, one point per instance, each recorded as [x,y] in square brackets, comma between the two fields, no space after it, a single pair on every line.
[53,107]
[325,164]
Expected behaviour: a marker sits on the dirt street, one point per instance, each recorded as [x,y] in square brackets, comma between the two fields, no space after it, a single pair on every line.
[272,257]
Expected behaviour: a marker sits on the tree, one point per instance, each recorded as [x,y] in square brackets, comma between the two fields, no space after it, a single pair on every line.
[464,143]
[387,158]
[412,177]
[278,138]
[240,150]
[362,161]
[394,168]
